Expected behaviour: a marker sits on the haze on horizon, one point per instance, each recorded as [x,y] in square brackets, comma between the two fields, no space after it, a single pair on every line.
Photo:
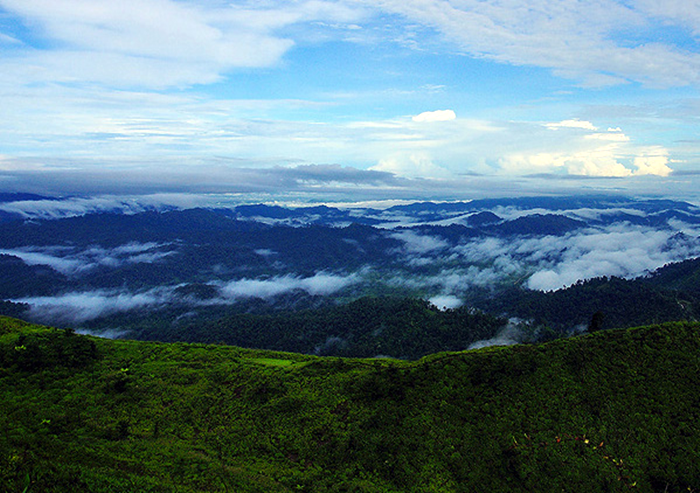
[350,98]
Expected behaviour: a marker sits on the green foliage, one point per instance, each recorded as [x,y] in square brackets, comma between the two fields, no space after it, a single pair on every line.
[368,327]
[601,303]
[617,410]
[37,350]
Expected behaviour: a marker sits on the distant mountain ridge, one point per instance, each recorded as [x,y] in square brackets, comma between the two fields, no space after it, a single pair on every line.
[156,271]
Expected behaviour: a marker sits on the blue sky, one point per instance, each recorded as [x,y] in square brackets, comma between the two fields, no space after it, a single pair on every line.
[357,98]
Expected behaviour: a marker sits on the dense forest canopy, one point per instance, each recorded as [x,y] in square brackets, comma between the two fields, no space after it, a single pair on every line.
[612,411]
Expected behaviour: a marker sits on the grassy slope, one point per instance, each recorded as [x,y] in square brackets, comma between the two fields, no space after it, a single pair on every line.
[612,411]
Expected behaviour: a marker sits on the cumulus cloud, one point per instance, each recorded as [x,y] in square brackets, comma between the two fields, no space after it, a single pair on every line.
[613,136]
[586,151]
[653,163]
[435,116]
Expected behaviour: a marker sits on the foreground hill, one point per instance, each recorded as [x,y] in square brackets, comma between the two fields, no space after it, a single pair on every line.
[612,411]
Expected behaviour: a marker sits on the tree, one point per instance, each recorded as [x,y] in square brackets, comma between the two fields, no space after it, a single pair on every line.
[596,322]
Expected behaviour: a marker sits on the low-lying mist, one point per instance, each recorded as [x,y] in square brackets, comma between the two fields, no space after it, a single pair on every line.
[186,260]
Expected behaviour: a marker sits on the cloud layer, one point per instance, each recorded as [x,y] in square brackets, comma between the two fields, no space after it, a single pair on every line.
[160,43]
[425,251]
[81,306]
[320,284]
[98,93]
[71,261]
[579,41]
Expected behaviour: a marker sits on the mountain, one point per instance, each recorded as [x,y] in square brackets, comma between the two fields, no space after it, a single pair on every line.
[7,197]
[154,271]
[368,327]
[622,302]
[682,276]
[670,293]
[612,411]
[539,224]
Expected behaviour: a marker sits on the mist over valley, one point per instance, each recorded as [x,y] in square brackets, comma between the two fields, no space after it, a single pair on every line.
[160,271]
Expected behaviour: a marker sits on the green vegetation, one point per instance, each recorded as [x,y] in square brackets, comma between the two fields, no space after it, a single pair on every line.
[396,327]
[616,410]
[617,300]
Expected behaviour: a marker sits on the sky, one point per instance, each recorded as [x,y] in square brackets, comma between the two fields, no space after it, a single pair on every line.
[350,98]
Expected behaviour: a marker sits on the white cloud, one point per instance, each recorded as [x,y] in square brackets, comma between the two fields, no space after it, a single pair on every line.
[159,43]
[574,40]
[680,12]
[553,262]
[435,116]
[78,206]
[609,136]
[321,284]
[79,307]
[582,150]
[620,250]
[654,162]
[412,165]
[572,124]
[4,38]
[31,257]
[510,334]
[417,243]
[72,261]
[601,162]
[446,301]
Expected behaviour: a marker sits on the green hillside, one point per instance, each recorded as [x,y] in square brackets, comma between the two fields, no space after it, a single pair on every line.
[616,410]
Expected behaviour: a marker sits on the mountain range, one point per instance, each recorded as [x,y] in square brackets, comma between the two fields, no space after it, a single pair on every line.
[539,267]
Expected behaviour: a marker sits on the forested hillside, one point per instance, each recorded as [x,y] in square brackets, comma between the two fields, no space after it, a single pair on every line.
[435,276]
[616,410]
[369,327]
[618,302]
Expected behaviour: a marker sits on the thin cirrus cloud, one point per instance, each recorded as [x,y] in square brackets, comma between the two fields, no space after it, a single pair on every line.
[160,43]
[198,42]
[578,41]
[316,82]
